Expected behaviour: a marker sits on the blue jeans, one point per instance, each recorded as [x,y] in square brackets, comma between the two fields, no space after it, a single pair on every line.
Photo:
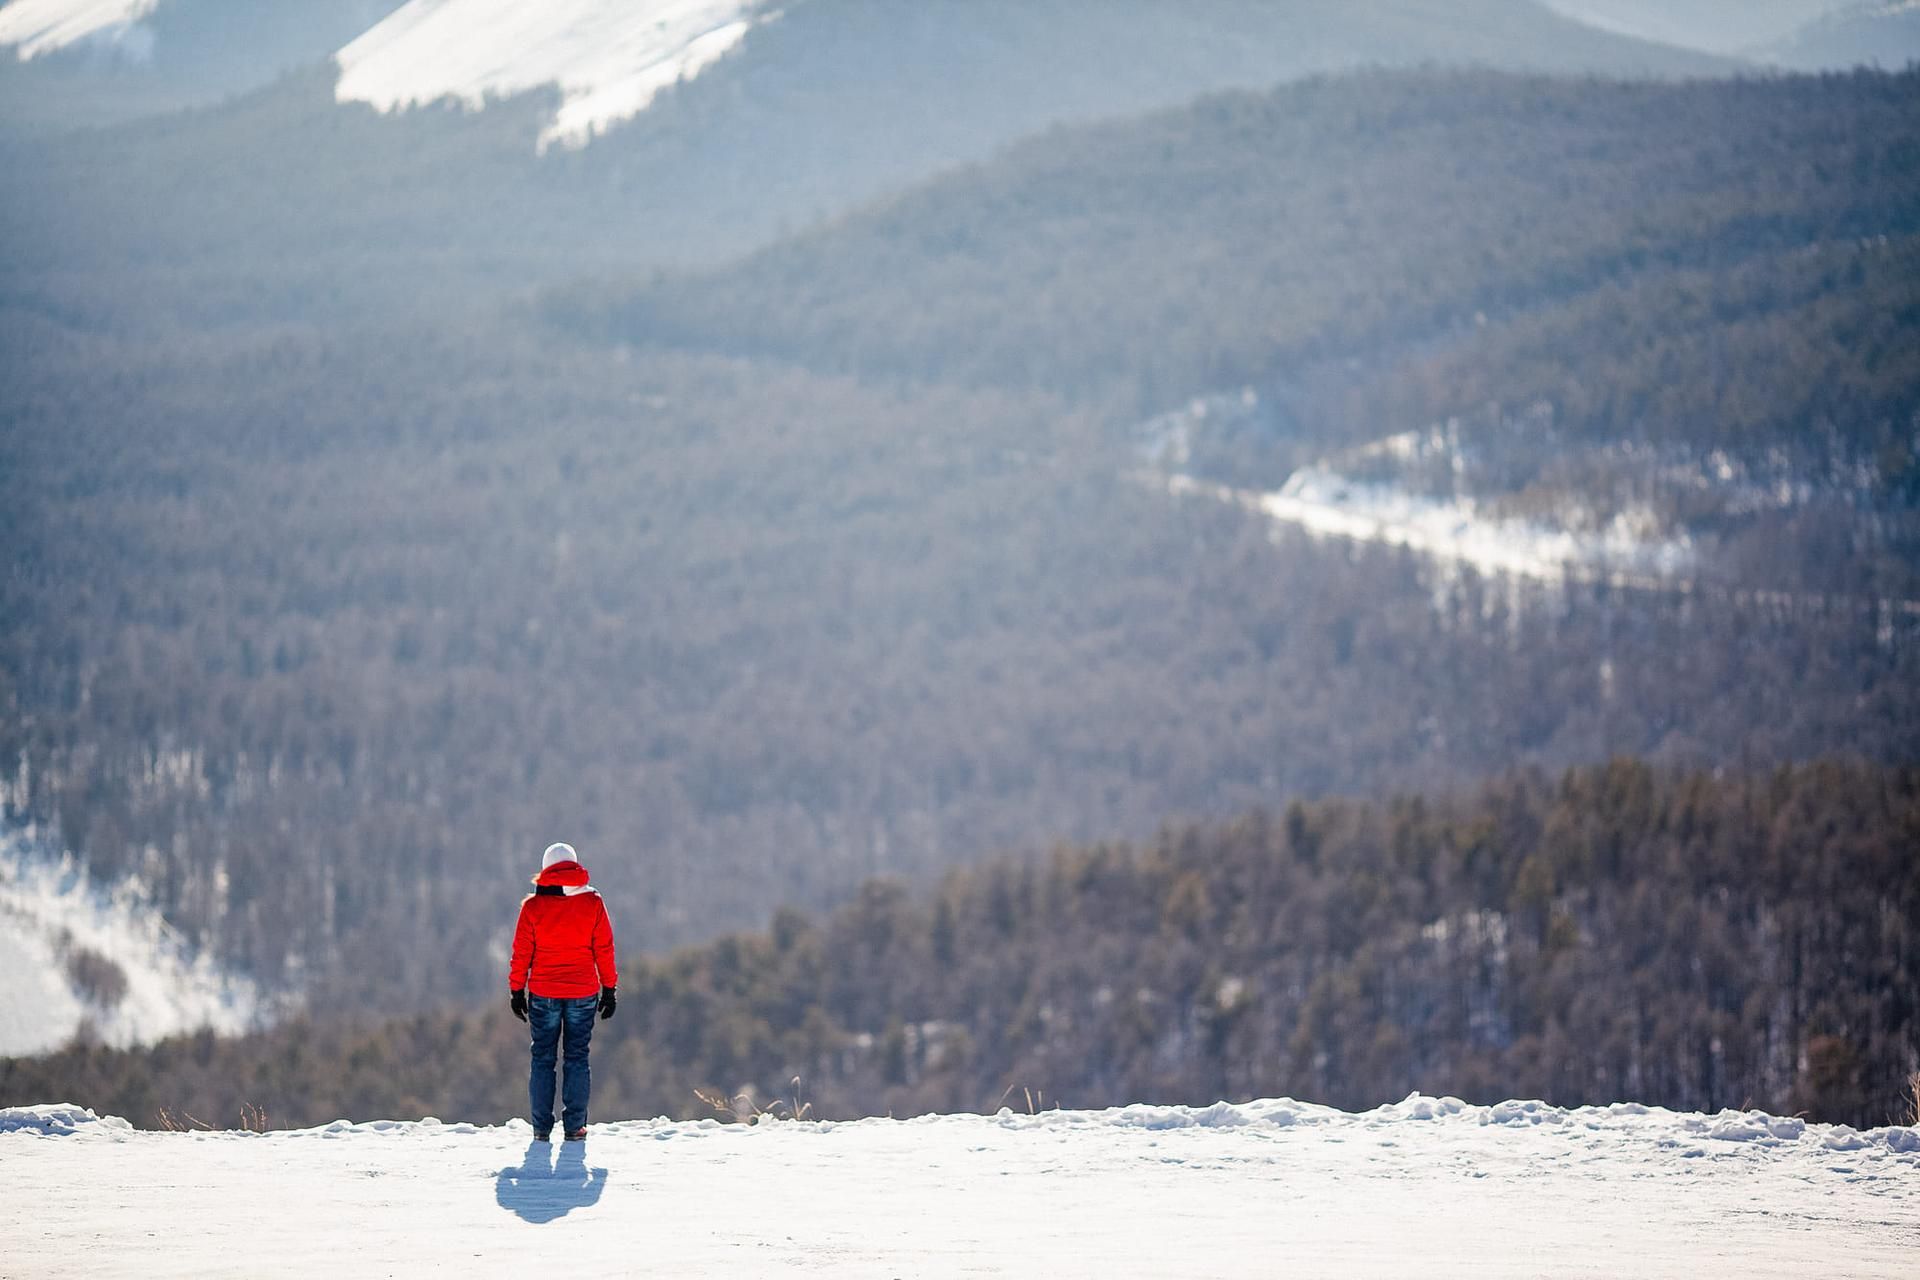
[548,1017]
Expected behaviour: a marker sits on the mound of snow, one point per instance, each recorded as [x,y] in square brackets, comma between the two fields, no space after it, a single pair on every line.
[608,57]
[58,1119]
[78,955]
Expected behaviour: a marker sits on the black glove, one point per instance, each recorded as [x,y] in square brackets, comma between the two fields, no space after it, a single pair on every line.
[607,1001]
[517,1001]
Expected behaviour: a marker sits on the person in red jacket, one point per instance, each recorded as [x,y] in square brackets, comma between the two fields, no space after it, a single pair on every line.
[561,974]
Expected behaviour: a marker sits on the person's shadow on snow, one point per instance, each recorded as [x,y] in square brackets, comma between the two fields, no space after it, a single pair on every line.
[540,1192]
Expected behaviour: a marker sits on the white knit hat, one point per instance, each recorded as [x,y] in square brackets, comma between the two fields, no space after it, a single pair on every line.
[558,853]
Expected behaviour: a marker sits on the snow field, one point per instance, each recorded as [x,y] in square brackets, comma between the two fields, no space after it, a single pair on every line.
[1427,1186]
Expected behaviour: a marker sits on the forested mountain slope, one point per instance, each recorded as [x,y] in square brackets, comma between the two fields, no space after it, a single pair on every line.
[1251,233]
[1686,940]
[1565,271]
[745,637]
[340,587]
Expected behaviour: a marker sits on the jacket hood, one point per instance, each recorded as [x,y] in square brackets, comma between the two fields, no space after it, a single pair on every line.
[563,873]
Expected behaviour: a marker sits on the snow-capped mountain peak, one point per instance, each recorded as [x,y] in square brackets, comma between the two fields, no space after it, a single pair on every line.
[34,27]
[608,57]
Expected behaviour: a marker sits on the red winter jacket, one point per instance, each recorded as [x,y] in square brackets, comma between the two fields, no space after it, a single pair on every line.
[563,944]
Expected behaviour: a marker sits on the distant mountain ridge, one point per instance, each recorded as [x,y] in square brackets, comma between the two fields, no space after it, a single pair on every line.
[834,103]
[1877,33]
[1734,27]
[90,63]
[1057,59]
[622,50]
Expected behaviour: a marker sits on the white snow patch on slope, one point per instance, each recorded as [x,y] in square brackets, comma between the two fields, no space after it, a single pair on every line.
[608,57]
[1424,1186]
[35,27]
[1327,504]
[53,917]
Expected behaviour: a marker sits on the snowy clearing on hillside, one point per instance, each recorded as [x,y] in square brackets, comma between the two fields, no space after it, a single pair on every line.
[608,57]
[35,27]
[78,954]
[1327,504]
[1327,499]
[1428,1186]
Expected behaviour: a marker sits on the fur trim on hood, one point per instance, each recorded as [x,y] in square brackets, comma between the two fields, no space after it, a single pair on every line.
[570,876]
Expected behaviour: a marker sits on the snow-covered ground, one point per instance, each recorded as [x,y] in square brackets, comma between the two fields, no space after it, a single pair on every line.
[1426,1187]
[608,57]
[34,27]
[76,953]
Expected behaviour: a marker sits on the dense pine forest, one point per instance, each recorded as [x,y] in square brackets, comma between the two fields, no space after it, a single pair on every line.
[1682,938]
[338,584]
